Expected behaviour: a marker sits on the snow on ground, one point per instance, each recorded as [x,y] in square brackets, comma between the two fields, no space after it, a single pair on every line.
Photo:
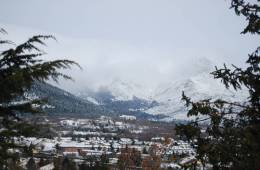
[47,167]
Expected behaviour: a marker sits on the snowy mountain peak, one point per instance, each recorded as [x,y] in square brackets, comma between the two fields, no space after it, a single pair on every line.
[124,91]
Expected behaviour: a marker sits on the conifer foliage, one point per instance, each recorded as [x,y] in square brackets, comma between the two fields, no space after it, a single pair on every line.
[20,67]
[232,139]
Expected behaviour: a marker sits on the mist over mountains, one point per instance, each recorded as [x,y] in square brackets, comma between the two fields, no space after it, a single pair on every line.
[165,99]
[123,79]
[61,103]
[120,97]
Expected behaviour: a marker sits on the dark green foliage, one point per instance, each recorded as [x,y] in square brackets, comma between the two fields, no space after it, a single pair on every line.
[232,139]
[20,68]
[251,12]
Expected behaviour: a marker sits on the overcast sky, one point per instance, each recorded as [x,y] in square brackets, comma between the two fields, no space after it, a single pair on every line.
[143,41]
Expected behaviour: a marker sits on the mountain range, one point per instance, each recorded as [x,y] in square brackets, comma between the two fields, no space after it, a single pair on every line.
[165,100]
[63,103]
[129,98]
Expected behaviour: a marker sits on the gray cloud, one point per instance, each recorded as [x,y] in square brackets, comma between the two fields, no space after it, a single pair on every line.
[145,41]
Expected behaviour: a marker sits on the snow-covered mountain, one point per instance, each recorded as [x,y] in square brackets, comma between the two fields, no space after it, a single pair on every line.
[122,97]
[198,83]
[199,87]
[126,90]
[116,90]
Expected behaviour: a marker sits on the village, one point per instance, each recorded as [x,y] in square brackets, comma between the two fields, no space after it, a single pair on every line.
[123,142]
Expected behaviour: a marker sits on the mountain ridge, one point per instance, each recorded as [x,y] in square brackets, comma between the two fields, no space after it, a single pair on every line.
[63,103]
[166,99]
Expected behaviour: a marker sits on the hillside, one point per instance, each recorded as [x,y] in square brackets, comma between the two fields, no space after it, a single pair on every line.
[63,103]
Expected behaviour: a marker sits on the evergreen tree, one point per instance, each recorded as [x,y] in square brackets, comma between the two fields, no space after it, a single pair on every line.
[232,139]
[20,67]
